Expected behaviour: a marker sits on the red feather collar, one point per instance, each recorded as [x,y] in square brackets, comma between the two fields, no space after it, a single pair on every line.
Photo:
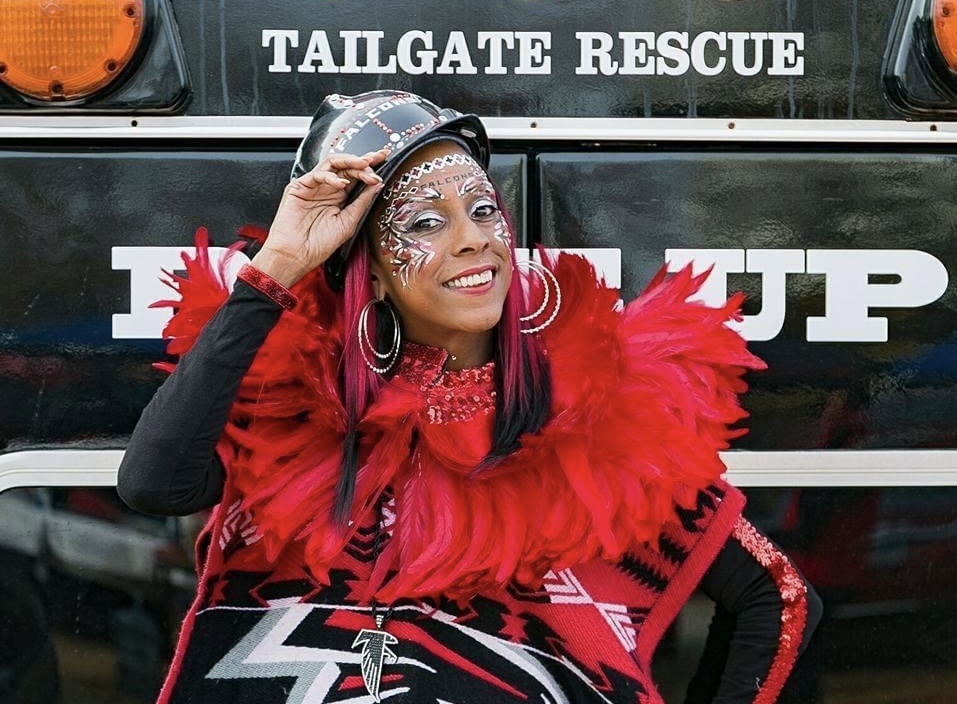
[643,399]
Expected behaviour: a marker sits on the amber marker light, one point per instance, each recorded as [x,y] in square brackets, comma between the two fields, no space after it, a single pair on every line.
[63,50]
[945,30]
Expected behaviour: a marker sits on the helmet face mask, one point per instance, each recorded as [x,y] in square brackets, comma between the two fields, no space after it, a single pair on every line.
[400,121]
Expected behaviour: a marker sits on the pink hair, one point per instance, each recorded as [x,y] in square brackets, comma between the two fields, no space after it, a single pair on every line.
[513,346]
[523,388]
[360,385]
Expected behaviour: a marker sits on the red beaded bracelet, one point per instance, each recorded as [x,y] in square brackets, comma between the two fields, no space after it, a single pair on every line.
[267,285]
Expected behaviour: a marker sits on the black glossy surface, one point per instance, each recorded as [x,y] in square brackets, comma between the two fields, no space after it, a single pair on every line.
[63,378]
[895,394]
[844,45]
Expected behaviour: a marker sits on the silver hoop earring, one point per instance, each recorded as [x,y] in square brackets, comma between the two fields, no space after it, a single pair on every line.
[365,341]
[547,278]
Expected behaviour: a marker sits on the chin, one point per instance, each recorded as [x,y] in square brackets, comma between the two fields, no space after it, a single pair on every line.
[479,323]
[477,327]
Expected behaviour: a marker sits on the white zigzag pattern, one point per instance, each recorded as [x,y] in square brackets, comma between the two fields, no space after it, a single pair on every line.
[388,516]
[567,590]
[616,616]
[241,522]
[315,672]
[564,588]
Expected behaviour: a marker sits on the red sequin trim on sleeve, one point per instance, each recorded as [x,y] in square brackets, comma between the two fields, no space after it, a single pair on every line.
[793,614]
[267,285]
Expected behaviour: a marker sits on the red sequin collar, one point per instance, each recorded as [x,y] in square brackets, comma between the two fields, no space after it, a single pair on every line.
[451,395]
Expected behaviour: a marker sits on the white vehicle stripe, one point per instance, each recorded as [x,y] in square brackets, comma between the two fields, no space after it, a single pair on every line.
[821,468]
[573,129]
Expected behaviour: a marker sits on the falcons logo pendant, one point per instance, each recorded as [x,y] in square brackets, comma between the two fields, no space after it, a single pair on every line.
[375,653]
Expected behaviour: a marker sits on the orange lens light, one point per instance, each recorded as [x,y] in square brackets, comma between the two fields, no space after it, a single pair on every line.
[945,30]
[57,50]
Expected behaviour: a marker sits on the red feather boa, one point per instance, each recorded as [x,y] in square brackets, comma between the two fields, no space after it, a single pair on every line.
[643,400]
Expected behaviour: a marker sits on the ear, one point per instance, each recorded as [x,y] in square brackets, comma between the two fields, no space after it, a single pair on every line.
[378,288]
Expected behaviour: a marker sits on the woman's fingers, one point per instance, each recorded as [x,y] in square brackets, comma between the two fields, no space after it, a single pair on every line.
[339,178]
[377,157]
[341,170]
[314,179]
[366,175]
[358,207]
[353,163]
[313,208]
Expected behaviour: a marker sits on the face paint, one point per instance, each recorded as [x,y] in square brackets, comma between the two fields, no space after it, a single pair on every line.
[480,184]
[436,256]
[477,183]
[407,253]
[427,167]
[407,205]
[502,233]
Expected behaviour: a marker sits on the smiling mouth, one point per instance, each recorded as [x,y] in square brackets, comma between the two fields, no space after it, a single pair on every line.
[471,281]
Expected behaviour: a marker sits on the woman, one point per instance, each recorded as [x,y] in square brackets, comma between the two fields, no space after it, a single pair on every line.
[427,490]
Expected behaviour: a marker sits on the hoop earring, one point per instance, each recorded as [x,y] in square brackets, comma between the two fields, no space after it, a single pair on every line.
[365,342]
[547,277]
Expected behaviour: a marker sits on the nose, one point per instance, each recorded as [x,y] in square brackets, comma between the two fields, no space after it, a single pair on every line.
[470,237]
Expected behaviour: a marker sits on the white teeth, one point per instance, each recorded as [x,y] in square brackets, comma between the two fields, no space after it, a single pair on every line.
[471,280]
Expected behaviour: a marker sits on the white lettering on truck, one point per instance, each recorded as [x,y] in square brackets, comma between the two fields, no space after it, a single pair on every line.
[628,53]
[677,53]
[145,265]
[147,287]
[416,52]
[920,279]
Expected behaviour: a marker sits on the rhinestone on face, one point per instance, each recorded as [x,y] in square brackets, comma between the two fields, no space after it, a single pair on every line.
[407,253]
[427,167]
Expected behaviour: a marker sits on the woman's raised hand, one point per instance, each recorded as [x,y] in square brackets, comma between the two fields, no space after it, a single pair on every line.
[313,220]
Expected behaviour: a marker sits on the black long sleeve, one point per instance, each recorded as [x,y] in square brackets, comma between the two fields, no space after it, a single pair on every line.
[744,633]
[170,465]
